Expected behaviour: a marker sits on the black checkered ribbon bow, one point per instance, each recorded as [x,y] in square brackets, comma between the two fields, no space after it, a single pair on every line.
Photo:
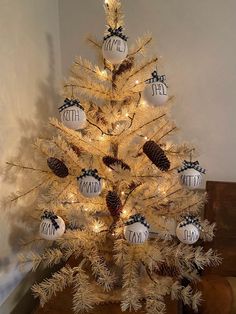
[89,172]
[191,220]
[137,218]
[69,103]
[52,217]
[192,165]
[115,32]
[157,78]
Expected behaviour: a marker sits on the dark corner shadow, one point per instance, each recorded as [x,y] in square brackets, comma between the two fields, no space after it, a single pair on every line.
[30,128]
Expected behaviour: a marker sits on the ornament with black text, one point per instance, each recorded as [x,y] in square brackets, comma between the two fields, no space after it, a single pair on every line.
[115,48]
[191,174]
[187,231]
[155,92]
[52,226]
[90,183]
[136,229]
[72,114]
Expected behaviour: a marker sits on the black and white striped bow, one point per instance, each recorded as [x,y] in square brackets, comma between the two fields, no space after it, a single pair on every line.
[137,218]
[89,172]
[191,165]
[191,220]
[69,103]
[52,217]
[157,78]
[115,32]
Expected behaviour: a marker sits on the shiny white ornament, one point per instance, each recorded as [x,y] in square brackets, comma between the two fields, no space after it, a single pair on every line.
[47,230]
[155,93]
[89,186]
[115,49]
[136,233]
[188,234]
[73,118]
[191,178]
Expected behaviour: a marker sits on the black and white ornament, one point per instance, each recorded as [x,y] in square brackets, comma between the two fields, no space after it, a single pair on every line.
[72,114]
[136,229]
[115,48]
[155,92]
[191,174]
[188,230]
[90,183]
[52,226]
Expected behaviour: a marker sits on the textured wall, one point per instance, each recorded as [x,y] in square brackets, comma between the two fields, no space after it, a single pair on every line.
[198,44]
[30,68]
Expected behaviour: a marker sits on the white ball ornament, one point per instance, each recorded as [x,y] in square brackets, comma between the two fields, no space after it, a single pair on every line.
[115,48]
[136,229]
[191,174]
[90,184]
[51,227]
[187,231]
[72,114]
[155,92]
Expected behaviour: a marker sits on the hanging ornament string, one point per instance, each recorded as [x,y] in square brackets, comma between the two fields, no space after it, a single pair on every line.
[157,78]
[191,220]
[69,103]
[115,32]
[52,217]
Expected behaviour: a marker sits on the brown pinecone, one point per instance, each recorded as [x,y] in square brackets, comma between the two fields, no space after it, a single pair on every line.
[156,154]
[58,167]
[76,149]
[114,204]
[112,161]
[126,65]
[167,270]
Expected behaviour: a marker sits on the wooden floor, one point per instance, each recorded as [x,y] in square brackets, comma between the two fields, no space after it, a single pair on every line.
[62,303]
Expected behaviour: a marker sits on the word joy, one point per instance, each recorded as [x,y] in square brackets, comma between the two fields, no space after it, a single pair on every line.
[158,89]
[115,44]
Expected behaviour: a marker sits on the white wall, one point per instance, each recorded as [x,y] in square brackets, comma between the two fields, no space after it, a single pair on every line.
[197,40]
[30,70]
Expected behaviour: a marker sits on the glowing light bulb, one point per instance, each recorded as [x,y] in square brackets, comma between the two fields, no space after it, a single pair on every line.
[106,1]
[137,81]
[96,228]
[122,193]
[146,138]
[127,114]
[109,170]
[101,137]
[124,211]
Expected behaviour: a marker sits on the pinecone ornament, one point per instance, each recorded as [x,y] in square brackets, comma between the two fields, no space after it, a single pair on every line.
[58,167]
[114,204]
[156,154]
[76,149]
[112,161]
[167,270]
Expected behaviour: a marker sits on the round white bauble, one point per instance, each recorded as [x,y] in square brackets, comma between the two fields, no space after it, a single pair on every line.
[136,233]
[47,230]
[115,49]
[89,186]
[191,178]
[188,234]
[155,93]
[73,118]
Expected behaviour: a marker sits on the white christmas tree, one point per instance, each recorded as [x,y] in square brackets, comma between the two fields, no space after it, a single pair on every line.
[109,194]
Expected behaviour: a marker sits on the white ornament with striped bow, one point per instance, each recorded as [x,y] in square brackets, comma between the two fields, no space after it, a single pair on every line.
[191,178]
[187,234]
[48,231]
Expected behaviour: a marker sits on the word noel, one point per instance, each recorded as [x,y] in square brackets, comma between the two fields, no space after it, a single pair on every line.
[159,89]
[71,115]
[115,44]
